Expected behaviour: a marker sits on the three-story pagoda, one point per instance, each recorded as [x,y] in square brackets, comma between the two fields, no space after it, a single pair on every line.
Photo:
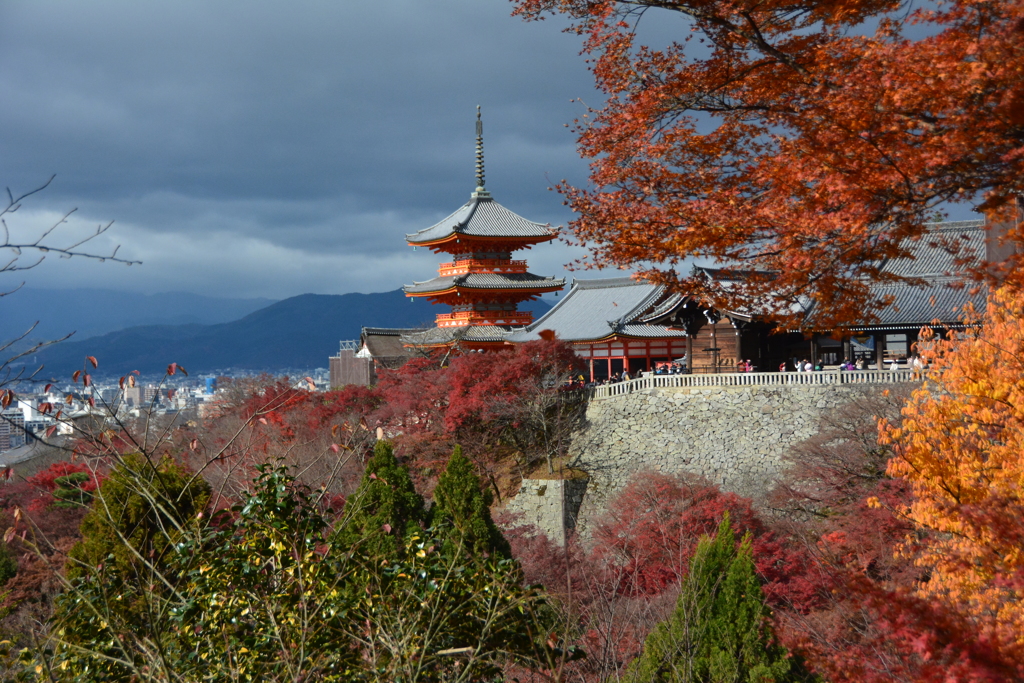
[482,283]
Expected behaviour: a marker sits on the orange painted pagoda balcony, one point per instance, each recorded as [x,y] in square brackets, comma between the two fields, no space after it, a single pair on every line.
[473,265]
[467,318]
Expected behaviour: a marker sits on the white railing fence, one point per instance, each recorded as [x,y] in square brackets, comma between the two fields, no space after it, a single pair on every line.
[770,379]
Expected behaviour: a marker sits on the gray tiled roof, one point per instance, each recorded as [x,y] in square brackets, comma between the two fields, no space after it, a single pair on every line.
[483,217]
[940,266]
[664,307]
[386,342]
[594,309]
[485,281]
[946,293]
[650,331]
[389,331]
[446,335]
[936,253]
[914,307]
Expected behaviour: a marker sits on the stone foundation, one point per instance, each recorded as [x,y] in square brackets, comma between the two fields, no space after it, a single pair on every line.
[734,436]
[550,505]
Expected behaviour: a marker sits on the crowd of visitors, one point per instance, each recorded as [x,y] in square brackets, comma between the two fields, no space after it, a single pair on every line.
[675,368]
[896,363]
[794,365]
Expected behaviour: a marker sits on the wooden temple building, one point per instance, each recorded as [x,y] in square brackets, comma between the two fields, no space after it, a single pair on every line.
[481,283]
[621,324]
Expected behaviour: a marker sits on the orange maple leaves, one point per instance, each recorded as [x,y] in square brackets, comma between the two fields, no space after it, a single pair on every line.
[796,140]
[961,445]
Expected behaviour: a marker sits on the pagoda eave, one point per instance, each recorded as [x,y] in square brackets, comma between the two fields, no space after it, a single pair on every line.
[456,295]
[497,243]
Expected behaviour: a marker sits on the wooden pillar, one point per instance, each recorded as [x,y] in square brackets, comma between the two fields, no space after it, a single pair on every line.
[879,349]
[714,345]
[689,352]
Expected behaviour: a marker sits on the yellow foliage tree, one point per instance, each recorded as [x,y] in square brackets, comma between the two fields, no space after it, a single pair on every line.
[961,445]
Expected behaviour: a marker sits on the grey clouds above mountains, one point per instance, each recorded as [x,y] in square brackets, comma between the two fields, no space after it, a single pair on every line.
[270,149]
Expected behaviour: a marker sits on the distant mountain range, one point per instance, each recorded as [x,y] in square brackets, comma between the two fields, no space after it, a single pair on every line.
[300,332]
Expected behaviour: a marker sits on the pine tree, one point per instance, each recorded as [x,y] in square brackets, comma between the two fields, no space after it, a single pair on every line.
[384,509]
[719,632]
[70,492]
[135,518]
[462,510]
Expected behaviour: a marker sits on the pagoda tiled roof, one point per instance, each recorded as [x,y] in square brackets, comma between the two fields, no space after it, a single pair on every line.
[485,281]
[481,216]
[600,308]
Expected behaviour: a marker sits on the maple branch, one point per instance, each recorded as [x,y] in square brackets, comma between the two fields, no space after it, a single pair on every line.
[16,247]
[753,35]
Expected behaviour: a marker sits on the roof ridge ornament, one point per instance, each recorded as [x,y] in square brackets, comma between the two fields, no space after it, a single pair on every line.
[480,192]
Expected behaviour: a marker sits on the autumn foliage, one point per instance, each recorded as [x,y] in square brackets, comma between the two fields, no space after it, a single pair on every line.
[868,621]
[478,391]
[616,587]
[803,140]
[652,527]
[513,405]
[961,447]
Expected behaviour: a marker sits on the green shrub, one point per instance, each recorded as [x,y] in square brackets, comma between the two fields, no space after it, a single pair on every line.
[8,564]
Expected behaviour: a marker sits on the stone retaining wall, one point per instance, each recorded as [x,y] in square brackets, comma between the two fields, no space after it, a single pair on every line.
[550,505]
[733,436]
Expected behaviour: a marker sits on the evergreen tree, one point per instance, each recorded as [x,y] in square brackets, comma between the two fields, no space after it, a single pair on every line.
[719,632]
[120,574]
[70,492]
[135,517]
[384,509]
[462,510]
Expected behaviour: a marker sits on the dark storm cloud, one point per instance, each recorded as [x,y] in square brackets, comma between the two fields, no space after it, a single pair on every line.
[275,148]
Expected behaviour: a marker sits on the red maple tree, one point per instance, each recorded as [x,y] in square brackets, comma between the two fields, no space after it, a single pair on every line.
[802,143]
[516,403]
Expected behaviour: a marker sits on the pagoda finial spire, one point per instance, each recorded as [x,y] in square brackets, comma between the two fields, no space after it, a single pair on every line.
[481,191]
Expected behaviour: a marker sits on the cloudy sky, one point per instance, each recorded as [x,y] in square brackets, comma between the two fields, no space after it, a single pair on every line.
[271,148]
